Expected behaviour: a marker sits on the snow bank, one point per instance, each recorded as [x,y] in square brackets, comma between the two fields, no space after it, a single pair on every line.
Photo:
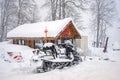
[8,63]
[100,55]
[88,70]
[6,42]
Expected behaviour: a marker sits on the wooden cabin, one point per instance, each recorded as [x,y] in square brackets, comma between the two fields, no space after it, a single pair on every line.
[53,31]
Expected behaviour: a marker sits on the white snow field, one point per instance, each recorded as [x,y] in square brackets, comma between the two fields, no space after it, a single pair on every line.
[96,65]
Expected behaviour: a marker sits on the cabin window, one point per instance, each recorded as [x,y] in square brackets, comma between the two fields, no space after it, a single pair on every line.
[39,43]
[20,42]
[23,42]
[52,41]
[59,41]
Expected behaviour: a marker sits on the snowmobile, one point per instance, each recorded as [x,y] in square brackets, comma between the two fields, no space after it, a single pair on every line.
[63,55]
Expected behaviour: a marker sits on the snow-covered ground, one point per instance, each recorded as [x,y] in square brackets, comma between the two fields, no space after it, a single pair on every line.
[96,65]
[88,70]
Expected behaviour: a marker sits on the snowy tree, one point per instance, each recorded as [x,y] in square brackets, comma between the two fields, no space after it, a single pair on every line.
[102,14]
[74,9]
[26,11]
[14,13]
[60,9]
[7,8]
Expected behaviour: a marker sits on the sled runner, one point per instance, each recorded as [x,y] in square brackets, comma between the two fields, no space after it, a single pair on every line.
[51,64]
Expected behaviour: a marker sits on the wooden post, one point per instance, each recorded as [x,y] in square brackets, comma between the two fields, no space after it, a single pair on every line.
[32,44]
[27,42]
[14,41]
[105,48]
[62,40]
[56,41]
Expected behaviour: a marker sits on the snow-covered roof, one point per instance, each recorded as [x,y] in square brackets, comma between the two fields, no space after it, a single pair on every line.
[38,29]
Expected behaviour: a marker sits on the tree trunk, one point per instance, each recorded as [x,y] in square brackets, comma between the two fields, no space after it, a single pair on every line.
[54,9]
[20,3]
[105,48]
[98,25]
[63,9]
[60,2]
[4,34]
